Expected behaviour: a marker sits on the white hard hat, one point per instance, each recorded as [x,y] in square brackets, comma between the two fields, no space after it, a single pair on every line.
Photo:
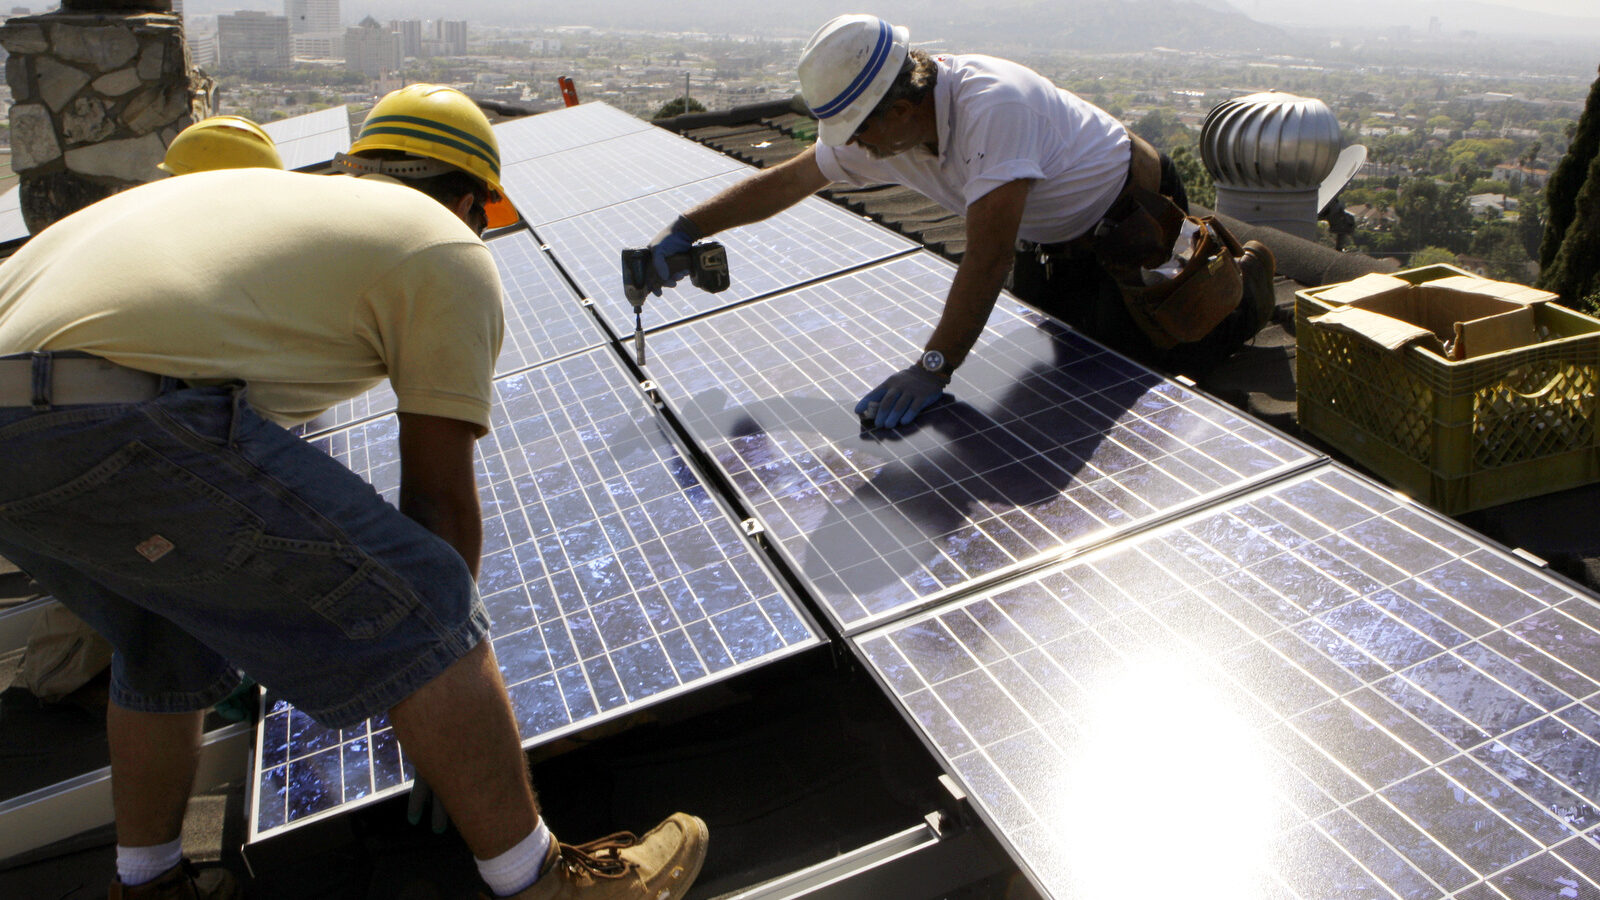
[846,68]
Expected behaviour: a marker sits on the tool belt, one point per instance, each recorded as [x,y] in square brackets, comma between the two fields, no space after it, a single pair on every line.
[1138,233]
[45,379]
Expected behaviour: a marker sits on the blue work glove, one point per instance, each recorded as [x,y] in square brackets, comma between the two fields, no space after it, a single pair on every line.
[673,240]
[424,799]
[901,396]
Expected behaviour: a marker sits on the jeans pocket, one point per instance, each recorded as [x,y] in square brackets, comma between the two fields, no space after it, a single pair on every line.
[137,515]
[345,586]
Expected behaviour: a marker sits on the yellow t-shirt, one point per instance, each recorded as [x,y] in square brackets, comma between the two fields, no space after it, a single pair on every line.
[310,288]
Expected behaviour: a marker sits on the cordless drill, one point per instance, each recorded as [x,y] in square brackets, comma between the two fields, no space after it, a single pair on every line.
[707,263]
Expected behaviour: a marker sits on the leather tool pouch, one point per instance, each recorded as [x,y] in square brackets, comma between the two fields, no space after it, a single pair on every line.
[1189,305]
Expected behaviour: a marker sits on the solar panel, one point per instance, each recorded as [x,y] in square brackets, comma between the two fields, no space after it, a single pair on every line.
[563,129]
[1049,441]
[543,321]
[613,577]
[12,226]
[808,241]
[313,139]
[575,181]
[1314,691]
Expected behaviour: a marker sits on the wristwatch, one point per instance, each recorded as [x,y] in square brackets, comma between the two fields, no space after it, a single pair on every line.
[934,362]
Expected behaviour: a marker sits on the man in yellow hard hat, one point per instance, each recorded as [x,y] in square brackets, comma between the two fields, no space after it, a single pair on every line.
[221,142]
[153,347]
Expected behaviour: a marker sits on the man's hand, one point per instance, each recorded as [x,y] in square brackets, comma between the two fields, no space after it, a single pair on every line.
[901,396]
[674,240]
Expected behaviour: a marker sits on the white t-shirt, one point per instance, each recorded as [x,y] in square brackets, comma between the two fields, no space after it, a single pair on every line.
[997,122]
[311,288]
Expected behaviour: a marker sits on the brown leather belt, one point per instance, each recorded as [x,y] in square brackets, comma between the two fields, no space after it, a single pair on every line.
[1144,171]
[45,379]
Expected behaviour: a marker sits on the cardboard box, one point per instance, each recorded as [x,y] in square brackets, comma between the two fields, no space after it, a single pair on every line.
[1460,434]
[1456,318]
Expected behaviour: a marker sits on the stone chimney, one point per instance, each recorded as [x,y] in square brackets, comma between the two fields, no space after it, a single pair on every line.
[99,90]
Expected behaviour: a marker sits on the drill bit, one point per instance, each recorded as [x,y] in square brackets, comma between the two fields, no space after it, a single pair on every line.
[638,334]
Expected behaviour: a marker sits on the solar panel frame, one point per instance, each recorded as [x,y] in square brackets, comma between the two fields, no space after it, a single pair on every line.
[12,225]
[550,132]
[570,182]
[660,596]
[313,139]
[876,523]
[1417,706]
[544,320]
[810,240]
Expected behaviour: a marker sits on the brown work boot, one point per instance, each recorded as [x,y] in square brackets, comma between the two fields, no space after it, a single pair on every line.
[659,866]
[1258,267]
[181,882]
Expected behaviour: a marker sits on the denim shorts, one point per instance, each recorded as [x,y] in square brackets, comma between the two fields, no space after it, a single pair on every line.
[201,540]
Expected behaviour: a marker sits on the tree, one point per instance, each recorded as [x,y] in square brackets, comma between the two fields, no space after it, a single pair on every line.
[676,107]
[1431,215]
[1500,247]
[1561,194]
[1197,181]
[1162,128]
[1430,256]
[1574,273]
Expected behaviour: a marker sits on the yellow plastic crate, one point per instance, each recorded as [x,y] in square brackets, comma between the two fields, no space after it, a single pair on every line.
[1457,435]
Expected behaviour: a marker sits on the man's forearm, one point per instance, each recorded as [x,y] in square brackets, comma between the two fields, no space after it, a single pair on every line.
[760,196]
[967,307]
[458,521]
[991,242]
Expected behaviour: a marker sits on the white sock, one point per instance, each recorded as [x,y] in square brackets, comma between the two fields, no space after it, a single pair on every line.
[137,865]
[517,868]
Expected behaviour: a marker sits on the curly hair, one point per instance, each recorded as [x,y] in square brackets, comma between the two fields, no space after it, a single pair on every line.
[917,77]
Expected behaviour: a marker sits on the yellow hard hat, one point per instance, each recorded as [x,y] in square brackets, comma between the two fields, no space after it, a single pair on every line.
[443,124]
[221,142]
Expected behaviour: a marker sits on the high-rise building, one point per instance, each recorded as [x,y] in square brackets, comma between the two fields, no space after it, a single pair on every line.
[410,32]
[203,48]
[371,49]
[312,16]
[250,39]
[452,37]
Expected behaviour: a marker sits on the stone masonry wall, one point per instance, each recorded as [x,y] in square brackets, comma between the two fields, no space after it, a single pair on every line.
[96,100]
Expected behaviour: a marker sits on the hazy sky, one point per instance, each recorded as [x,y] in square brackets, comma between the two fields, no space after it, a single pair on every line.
[355,9]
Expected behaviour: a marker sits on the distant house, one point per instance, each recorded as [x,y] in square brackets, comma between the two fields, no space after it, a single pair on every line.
[1372,218]
[1520,177]
[1501,202]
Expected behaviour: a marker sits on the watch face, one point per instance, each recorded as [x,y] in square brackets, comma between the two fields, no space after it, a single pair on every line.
[933,361]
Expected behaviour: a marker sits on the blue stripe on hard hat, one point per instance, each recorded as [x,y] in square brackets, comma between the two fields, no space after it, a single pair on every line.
[880,55]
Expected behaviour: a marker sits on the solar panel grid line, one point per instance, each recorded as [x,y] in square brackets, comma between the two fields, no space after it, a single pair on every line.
[605,172]
[1364,773]
[997,476]
[614,577]
[805,243]
[550,132]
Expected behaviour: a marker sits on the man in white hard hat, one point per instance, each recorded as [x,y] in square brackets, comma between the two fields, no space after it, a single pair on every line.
[1035,169]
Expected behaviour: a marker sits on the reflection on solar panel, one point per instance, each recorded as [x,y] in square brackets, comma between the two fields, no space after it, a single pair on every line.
[564,184]
[563,129]
[1314,691]
[312,139]
[613,578]
[810,240]
[1051,441]
[543,321]
[12,226]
